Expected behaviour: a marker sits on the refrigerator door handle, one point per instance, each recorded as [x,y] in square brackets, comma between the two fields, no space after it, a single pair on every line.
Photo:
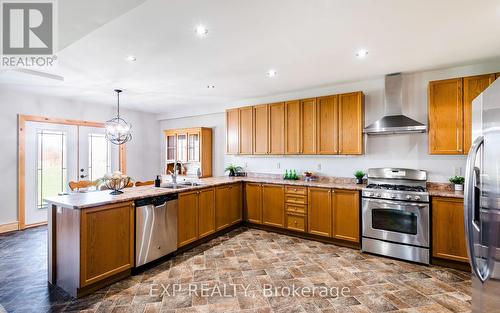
[471,174]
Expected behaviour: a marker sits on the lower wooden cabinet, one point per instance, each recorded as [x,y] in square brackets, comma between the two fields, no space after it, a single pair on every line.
[187,218]
[319,212]
[196,216]
[296,222]
[448,229]
[345,205]
[206,212]
[227,205]
[273,205]
[253,203]
[106,242]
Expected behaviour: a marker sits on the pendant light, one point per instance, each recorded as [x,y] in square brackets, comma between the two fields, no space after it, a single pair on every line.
[117,129]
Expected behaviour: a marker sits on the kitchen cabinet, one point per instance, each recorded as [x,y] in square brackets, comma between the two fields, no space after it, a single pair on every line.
[277,128]
[293,126]
[232,131]
[296,208]
[446,117]
[192,147]
[246,130]
[351,123]
[235,204]
[473,86]
[107,242]
[187,218]
[253,203]
[448,234]
[273,205]
[309,126]
[261,129]
[319,208]
[345,205]
[227,205]
[327,123]
[497,75]
[206,212]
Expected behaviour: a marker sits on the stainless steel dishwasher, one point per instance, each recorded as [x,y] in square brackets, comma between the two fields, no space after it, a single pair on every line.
[155,228]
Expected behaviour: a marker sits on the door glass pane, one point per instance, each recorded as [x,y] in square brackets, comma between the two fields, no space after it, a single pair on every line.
[394,220]
[171,145]
[51,165]
[182,148]
[99,156]
[193,148]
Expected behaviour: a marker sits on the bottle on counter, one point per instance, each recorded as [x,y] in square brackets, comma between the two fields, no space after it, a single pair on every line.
[157,181]
[286,175]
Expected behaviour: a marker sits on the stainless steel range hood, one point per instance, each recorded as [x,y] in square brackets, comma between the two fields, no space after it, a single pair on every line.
[393,121]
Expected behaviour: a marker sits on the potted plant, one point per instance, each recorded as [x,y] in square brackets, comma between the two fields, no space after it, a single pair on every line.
[458,182]
[233,169]
[359,174]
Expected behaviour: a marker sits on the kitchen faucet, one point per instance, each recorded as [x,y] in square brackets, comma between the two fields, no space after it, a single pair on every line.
[173,173]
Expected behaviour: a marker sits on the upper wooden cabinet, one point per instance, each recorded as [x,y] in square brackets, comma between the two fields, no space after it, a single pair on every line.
[309,126]
[450,112]
[319,215]
[473,86]
[446,117]
[277,128]
[191,146]
[261,129]
[293,125]
[232,131]
[351,123]
[273,205]
[327,123]
[246,130]
[447,215]
[324,125]
[497,75]
[345,204]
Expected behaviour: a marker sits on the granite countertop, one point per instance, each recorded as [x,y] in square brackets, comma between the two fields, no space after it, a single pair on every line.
[82,200]
[97,198]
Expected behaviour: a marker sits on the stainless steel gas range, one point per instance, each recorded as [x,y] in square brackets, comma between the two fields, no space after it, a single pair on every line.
[396,215]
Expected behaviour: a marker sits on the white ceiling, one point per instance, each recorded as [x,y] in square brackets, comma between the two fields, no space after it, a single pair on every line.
[309,43]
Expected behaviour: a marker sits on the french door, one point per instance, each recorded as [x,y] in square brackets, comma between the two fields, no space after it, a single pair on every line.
[57,154]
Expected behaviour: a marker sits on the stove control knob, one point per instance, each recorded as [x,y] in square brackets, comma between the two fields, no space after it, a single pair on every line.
[379,195]
[393,196]
[417,198]
[371,194]
[408,197]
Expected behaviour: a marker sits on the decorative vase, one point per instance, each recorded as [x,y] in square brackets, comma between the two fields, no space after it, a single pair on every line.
[359,181]
[458,187]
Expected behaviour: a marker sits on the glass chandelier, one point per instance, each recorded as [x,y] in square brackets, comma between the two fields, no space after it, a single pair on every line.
[117,129]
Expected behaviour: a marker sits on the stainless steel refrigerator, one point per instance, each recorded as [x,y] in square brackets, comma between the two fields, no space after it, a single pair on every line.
[482,201]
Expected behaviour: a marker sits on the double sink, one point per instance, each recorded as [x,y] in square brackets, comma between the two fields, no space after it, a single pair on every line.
[181,185]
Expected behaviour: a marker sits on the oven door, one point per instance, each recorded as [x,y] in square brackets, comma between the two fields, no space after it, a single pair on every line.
[395,221]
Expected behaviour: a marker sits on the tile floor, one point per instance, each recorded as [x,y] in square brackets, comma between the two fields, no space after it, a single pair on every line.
[246,270]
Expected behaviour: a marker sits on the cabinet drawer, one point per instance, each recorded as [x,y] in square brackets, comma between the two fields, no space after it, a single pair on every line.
[295,199]
[296,208]
[296,222]
[296,190]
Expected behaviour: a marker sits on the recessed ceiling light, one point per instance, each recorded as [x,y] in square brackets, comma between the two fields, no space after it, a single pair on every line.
[131,58]
[210,86]
[201,30]
[362,53]
[271,73]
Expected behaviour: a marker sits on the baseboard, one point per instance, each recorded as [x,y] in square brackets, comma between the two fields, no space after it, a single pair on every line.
[35,225]
[6,228]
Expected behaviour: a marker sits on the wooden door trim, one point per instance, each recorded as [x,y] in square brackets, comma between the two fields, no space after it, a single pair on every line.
[21,156]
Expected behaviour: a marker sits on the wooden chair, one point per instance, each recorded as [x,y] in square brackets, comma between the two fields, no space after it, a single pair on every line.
[82,184]
[144,183]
